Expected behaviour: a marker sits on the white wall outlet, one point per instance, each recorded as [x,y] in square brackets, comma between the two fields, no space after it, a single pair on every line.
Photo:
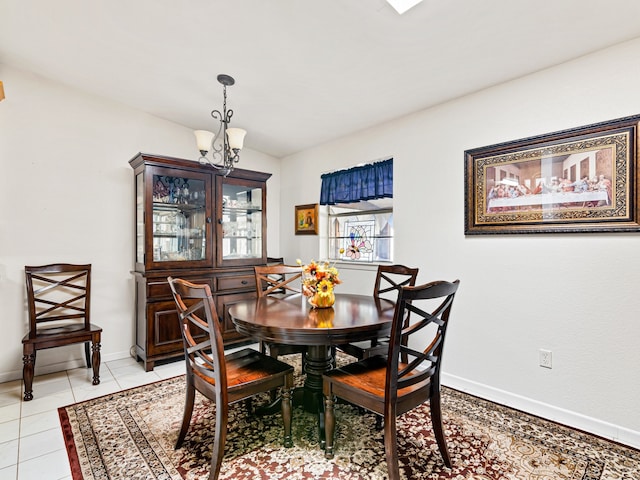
[545,358]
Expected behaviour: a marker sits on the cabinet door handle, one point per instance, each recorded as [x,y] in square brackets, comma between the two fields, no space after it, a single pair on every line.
[208,219]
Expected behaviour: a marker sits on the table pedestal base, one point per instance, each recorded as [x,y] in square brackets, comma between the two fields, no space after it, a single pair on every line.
[319,360]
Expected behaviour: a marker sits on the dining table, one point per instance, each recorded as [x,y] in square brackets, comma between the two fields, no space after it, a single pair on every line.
[292,320]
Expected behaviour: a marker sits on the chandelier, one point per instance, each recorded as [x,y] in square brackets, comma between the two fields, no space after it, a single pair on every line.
[226,143]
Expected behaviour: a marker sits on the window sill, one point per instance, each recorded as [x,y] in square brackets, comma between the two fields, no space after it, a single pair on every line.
[342,265]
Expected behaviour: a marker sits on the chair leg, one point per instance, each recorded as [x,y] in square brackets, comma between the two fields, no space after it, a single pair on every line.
[87,353]
[188,410]
[95,359]
[286,415]
[436,421]
[273,352]
[29,361]
[391,446]
[222,415]
[329,425]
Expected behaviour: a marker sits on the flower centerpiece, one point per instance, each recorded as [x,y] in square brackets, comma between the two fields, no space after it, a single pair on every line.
[318,280]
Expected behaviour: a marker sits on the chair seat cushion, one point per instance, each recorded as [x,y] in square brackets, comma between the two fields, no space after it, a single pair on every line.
[366,377]
[49,333]
[249,365]
[364,349]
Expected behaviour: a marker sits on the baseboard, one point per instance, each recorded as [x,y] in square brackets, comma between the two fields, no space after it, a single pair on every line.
[565,417]
[60,366]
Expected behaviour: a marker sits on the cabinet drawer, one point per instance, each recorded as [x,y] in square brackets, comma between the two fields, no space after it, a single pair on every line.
[236,282]
[160,288]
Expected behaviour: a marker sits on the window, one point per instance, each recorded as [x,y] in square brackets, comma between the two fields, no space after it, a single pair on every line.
[360,213]
[362,231]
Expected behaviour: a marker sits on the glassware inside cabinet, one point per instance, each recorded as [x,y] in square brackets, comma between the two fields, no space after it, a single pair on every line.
[179,219]
[241,222]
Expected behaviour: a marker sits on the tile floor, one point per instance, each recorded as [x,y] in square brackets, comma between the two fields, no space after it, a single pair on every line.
[31,444]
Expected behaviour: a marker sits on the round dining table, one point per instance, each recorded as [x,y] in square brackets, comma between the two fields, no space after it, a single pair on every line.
[291,320]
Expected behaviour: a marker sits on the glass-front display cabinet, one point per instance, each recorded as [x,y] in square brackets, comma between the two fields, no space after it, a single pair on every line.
[191,222]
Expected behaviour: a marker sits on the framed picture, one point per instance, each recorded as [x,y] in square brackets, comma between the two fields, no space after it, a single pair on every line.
[306,219]
[579,180]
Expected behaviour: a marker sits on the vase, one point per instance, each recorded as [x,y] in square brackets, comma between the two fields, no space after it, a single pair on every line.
[324,300]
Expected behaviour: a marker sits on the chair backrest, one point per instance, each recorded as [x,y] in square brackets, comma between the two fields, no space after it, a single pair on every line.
[408,366]
[58,294]
[197,315]
[276,261]
[390,278]
[280,279]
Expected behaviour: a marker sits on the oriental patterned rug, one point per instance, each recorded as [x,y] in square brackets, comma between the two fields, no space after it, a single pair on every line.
[131,434]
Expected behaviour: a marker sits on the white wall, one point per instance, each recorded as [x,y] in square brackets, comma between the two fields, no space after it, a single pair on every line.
[575,295]
[67,196]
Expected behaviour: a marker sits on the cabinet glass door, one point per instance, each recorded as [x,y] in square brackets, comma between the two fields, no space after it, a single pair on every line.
[241,221]
[179,223]
[140,219]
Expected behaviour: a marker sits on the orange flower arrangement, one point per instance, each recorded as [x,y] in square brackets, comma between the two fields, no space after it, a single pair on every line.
[318,280]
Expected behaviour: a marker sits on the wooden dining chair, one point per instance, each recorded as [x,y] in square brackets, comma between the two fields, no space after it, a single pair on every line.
[276,261]
[280,280]
[58,302]
[390,387]
[223,379]
[389,280]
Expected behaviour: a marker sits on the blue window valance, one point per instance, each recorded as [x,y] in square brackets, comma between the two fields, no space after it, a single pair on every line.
[366,182]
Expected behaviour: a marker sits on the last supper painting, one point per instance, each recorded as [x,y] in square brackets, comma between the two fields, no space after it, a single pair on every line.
[574,181]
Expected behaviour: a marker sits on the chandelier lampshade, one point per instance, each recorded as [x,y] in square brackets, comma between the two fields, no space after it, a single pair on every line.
[226,143]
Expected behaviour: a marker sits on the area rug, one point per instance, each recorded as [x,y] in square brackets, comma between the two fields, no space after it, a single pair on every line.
[131,435]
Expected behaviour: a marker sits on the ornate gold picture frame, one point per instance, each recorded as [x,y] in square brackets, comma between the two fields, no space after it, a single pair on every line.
[578,180]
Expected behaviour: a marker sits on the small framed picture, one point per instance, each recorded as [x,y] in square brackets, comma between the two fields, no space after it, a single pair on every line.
[306,222]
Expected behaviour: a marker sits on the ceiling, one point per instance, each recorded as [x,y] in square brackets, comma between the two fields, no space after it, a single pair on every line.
[306,71]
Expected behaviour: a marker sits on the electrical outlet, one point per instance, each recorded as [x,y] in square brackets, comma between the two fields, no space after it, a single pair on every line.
[545,358]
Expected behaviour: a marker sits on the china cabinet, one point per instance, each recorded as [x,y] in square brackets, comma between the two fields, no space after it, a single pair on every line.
[192,222]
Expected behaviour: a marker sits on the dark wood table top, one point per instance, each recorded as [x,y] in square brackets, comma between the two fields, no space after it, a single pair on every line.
[291,320]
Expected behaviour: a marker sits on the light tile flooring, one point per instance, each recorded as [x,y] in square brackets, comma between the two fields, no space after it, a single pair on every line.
[31,444]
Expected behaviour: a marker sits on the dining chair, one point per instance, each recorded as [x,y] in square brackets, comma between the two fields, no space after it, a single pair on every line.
[223,379]
[281,280]
[276,261]
[389,280]
[58,303]
[388,386]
